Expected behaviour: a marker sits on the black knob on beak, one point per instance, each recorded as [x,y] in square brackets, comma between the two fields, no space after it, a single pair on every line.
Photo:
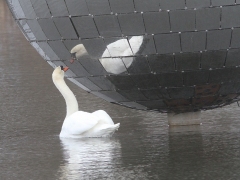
[61,67]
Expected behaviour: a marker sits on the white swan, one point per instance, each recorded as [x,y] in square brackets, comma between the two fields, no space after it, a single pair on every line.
[120,48]
[79,123]
[78,51]
[110,59]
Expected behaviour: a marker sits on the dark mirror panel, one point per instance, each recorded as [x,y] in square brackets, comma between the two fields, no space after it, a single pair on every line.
[235,43]
[131,24]
[197,3]
[208,18]
[122,6]
[138,66]
[167,43]
[222,2]
[57,7]
[156,104]
[221,75]
[48,50]
[161,63]
[156,22]
[150,5]
[133,105]
[77,7]
[90,85]
[65,28]
[181,93]
[79,84]
[233,58]
[145,81]
[152,94]
[215,43]
[49,29]
[97,7]
[41,9]
[28,9]
[102,82]
[193,41]
[36,29]
[187,61]
[108,25]
[229,16]
[192,78]
[173,4]
[122,82]
[170,79]
[147,46]
[182,20]
[236,74]
[93,66]
[95,47]
[85,26]
[213,59]
[59,48]
[229,88]
[133,95]
[111,96]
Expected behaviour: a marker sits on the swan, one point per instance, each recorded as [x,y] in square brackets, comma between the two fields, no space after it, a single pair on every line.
[79,123]
[120,48]
[78,51]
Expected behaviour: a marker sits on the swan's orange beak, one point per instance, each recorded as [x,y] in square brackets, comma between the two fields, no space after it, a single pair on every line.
[65,69]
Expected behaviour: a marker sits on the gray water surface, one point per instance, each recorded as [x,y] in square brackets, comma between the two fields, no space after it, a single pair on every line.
[32,112]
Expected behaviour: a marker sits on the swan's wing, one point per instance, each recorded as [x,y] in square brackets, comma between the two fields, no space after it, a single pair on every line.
[118,47]
[79,122]
[103,117]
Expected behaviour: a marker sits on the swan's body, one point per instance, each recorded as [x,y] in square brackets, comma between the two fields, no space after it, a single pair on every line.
[120,48]
[80,123]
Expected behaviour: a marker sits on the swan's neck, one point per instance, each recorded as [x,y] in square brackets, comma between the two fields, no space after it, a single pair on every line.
[70,99]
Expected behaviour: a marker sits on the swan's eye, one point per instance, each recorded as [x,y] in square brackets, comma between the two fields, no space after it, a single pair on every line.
[61,67]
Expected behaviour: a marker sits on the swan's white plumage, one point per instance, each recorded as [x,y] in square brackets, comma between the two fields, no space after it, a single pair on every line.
[117,49]
[80,50]
[80,123]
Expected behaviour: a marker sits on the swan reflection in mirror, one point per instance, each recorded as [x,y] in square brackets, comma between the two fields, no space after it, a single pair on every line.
[79,123]
[84,155]
[118,55]
[77,52]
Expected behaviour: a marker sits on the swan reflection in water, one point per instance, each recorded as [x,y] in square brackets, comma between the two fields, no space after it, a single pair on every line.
[117,57]
[89,157]
[97,158]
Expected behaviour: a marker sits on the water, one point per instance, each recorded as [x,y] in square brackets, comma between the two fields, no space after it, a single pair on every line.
[32,111]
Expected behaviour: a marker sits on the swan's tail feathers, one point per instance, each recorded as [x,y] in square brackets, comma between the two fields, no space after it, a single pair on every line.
[109,131]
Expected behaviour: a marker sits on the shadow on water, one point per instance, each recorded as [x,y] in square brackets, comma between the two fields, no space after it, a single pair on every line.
[32,112]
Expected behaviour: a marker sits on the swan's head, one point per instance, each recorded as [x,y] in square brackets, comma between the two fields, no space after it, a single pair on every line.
[58,72]
[78,51]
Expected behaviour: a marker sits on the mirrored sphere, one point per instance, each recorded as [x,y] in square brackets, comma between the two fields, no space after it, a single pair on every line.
[163,55]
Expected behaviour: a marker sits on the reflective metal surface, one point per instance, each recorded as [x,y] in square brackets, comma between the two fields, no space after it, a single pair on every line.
[144,148]
[166,48]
